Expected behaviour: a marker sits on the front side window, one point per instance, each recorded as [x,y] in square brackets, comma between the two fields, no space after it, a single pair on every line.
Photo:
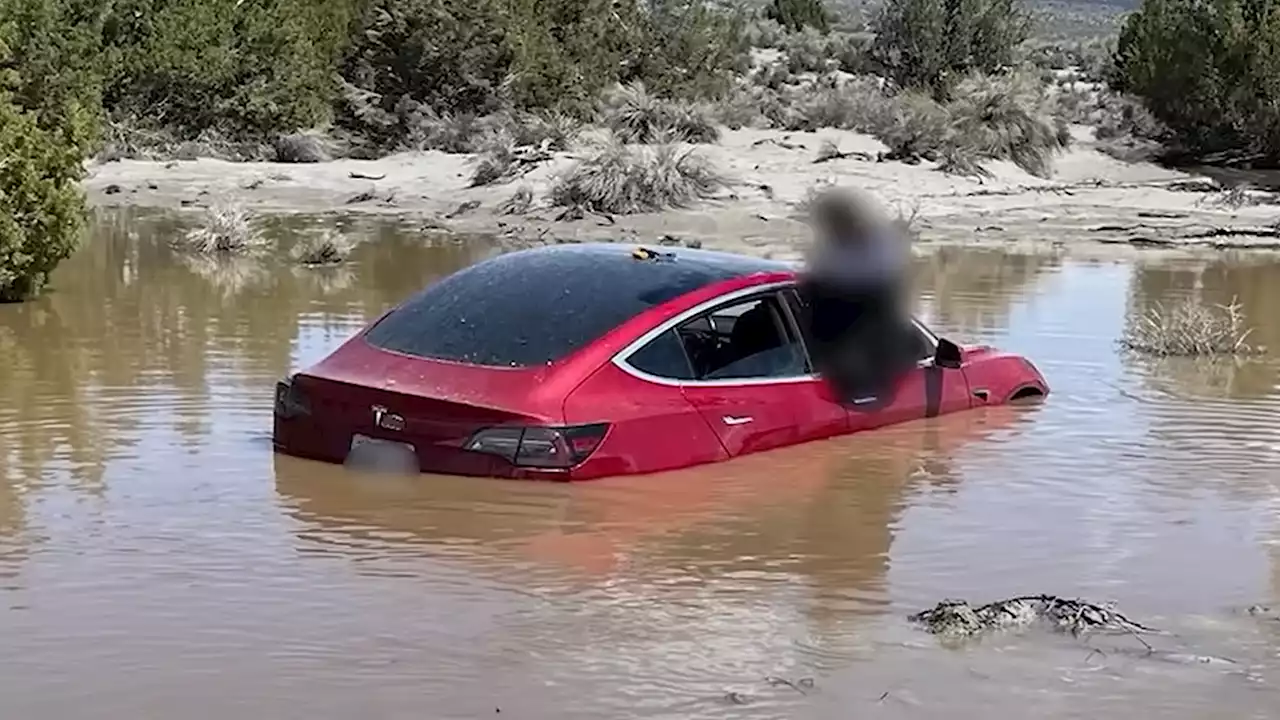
[750,339]
[922,344]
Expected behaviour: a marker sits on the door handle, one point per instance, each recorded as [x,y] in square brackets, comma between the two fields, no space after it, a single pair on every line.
[731,420]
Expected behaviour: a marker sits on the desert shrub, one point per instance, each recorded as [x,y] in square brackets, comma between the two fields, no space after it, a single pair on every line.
[796,15]
[1189,328]
[932,44]
[416,62]
[749,105]
[817,52]
[42,212]
[1008,118]
[765,33]
[328,247]
[689,49]
[518,203]
[857,103]
[1117,116]
[261,67]
[416,65]
[637,116]
[915,126]
[311,146]
[1208,70]
[225,229]
[48,124]
[1001,118]
[622,179]
[773,76]
[497,159]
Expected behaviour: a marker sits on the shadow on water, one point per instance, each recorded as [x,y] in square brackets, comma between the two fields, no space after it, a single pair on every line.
[161,557]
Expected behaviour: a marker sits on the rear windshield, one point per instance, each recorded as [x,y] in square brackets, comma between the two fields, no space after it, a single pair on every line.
[534,307]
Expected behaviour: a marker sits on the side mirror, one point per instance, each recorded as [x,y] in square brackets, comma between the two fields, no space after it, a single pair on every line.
[947,355]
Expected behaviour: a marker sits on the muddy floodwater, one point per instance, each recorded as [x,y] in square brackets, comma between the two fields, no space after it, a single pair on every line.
[158,561]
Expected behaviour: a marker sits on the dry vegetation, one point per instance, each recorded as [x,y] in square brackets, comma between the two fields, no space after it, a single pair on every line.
[621,178]
[1189,329]
[327,247]
[226,228]
[512,83]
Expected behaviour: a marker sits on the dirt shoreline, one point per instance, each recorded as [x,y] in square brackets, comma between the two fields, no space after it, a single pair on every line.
[1093,204]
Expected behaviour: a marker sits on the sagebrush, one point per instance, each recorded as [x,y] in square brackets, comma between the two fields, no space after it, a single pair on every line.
[620,178]
[1189,329]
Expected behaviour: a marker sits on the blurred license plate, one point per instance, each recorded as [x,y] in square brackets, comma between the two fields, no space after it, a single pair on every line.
[368,453]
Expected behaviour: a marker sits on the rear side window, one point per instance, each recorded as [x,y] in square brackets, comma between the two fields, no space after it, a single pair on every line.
[534,307]
[751,339]
[663,357]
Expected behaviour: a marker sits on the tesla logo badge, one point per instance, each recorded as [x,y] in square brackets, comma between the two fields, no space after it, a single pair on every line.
[731,420]
[387,420]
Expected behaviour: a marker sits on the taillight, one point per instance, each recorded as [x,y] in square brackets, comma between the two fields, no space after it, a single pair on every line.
[290,400]
[539,446]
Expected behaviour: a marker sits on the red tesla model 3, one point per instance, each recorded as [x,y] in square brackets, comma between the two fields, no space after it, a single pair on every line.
[572,362]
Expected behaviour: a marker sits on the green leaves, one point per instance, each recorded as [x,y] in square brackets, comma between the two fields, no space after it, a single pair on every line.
[1210,69]
[932,44]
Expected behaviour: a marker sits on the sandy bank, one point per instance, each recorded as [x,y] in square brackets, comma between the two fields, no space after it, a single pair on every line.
[1093,200]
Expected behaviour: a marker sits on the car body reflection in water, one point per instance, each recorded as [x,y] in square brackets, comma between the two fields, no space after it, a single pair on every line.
[823,513]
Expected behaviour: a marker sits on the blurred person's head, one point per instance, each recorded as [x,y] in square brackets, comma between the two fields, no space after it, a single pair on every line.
[843,216]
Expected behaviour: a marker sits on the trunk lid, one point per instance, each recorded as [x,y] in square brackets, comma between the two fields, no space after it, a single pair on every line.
[433,406]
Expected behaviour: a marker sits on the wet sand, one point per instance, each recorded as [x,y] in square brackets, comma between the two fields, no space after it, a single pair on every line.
[157,560]
[1094,204]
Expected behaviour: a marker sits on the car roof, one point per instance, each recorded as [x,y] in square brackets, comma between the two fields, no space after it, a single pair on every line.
[533,307]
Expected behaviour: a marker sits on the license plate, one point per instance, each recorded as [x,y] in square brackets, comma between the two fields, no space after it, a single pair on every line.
[368,453]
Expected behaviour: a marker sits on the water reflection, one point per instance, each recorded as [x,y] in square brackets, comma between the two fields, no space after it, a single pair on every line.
[1250,283]
[969,290]
[822,513]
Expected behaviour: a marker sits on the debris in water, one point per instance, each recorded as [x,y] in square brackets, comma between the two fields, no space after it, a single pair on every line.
[802,686]
[957,618]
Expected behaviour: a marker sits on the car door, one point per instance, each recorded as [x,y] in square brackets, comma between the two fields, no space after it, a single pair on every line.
[752,381]
[927,390]
[819,413]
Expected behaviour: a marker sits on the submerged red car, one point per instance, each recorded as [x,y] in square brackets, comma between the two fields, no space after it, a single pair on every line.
[573,362]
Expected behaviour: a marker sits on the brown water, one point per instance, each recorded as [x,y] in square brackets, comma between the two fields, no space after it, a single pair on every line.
[157,561]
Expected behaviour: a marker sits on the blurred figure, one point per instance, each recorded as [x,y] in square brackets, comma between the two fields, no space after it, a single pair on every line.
[854,290]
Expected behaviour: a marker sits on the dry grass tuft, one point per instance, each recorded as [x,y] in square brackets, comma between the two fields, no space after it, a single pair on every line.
[310,146]
[992,118]
[624,179]
[636,116]
[519,202]
[328,247]
[226,229]
[497,161]
[1008,118]
[1189,329]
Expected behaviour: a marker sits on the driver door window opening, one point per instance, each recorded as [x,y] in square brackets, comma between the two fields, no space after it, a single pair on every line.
[754,338]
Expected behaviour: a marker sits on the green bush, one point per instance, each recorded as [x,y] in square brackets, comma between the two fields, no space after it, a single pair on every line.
[416,59]
[258,67]
[992,118]
[932,44]
[1208,70]
[796,15]
[47,125]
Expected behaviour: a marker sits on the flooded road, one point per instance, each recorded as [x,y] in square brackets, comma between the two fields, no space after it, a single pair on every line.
[157,560]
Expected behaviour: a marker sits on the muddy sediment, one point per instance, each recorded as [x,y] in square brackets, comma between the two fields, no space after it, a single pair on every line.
[1092,204]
